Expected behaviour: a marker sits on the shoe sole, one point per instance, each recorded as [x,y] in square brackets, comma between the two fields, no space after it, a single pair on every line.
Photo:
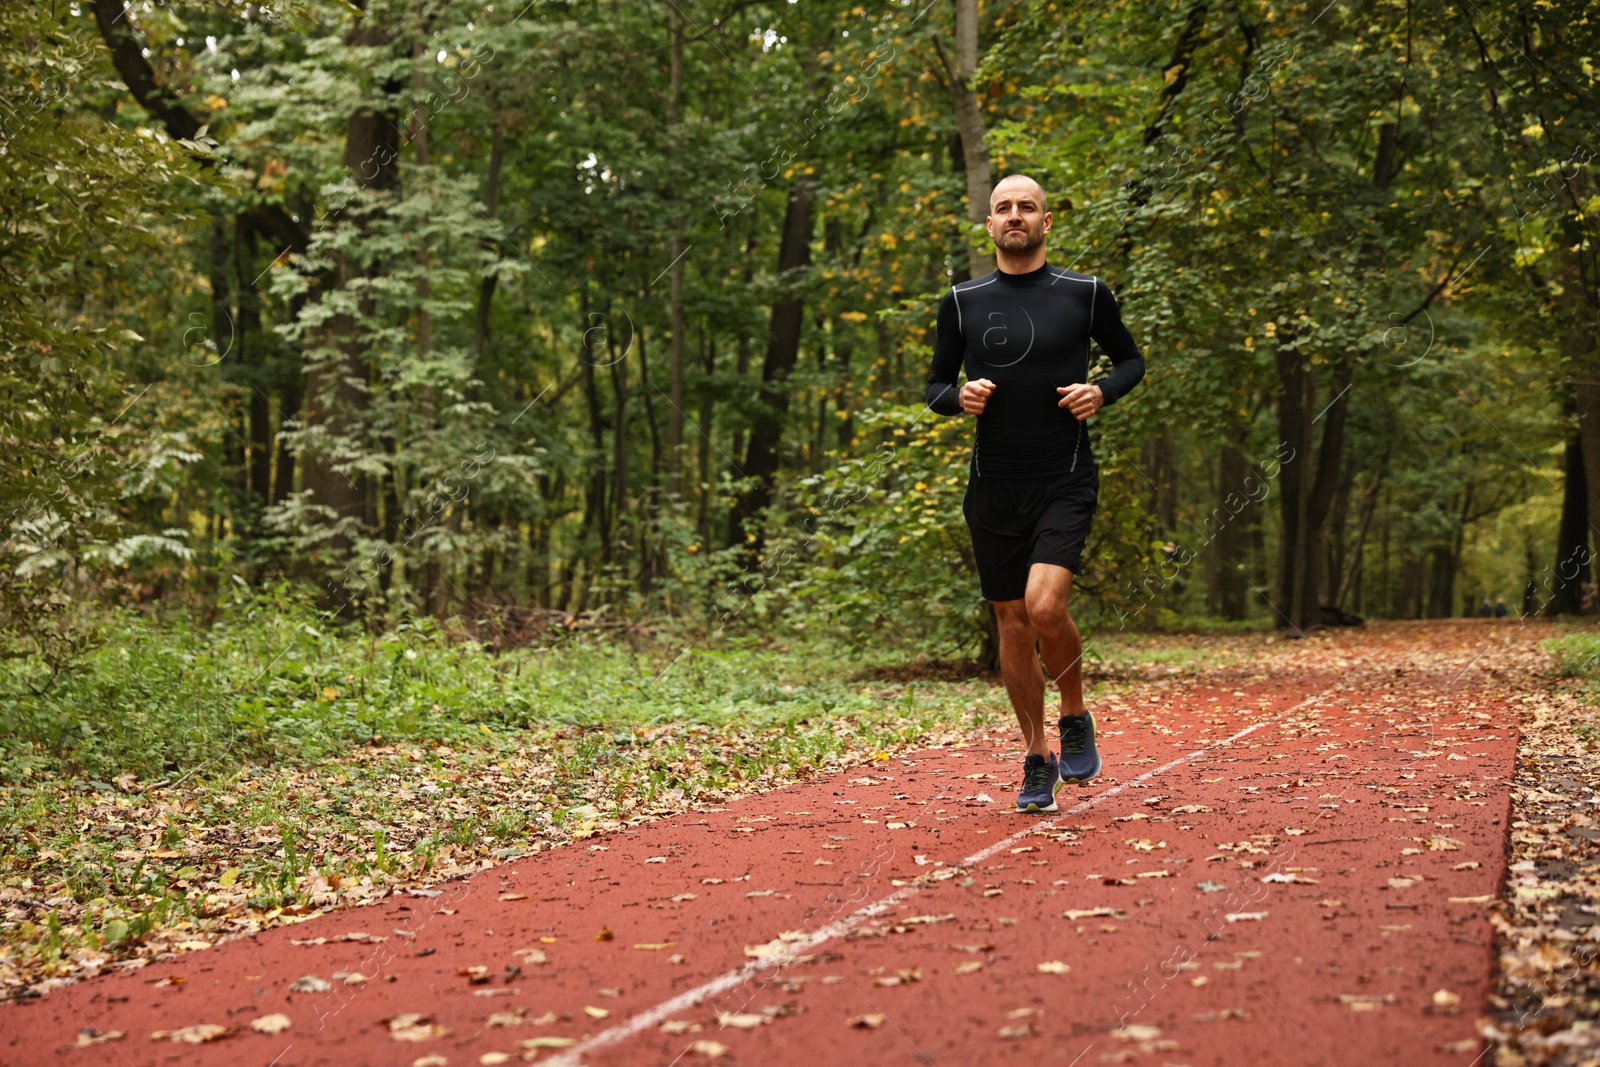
[1036,809]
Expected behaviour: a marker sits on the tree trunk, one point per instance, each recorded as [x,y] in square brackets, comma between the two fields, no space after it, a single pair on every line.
[742,353]
[783,349]
[1587,394]
[1573,555]
[491,207]
[252,354]
[1294,434]
[1352,569]
[970,125]
[675,352]
[708,365]
[336,390]
[419,142]
[1230,545]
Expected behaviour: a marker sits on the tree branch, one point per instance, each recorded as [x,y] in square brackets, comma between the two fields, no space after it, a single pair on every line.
[127,55]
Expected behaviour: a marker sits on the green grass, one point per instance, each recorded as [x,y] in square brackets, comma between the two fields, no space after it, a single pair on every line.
[1577,653]
[1577,656]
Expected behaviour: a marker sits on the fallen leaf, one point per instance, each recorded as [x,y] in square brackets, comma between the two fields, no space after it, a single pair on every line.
[605,934]
[547,1042]
[414,1026]
[654,946]
[433,1059]
[1209,886]
[595,1013]
[1245,916]
[708,1048]
[741,1020]
[276,1023]
[475,975]
[198,1034]
[1444,1002]
[680,1026]
[492,1058]
[773,949]
[656,859]
[865,1022]
[310,983]
[1137,1032]
[90,1036]
[969,967]
[1016,1032]
[513,896]
[1365,1001]
[1052,967]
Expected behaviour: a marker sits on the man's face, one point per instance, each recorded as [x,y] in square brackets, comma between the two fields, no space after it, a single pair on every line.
[1017,221]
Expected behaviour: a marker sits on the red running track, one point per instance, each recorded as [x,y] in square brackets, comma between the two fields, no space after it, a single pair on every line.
[1286,870]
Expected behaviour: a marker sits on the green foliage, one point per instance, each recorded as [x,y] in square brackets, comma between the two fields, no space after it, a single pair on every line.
[83,200]
[270,678]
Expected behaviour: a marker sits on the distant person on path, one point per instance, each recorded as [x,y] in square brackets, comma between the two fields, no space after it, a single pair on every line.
[1022,333]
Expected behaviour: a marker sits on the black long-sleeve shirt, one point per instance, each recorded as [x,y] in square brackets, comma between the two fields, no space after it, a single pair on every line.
[1029,333]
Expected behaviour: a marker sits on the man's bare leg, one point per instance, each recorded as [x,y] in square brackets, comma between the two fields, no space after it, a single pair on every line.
[1046,608]
[1019,666]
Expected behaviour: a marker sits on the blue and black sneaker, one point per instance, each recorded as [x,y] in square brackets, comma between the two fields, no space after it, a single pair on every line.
[1079,760]
[1041,778]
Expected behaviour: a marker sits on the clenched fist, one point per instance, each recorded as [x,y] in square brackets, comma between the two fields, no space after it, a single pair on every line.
[974,396]
[1082,400]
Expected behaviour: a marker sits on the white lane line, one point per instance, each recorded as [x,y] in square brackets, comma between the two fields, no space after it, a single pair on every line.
[652,1017]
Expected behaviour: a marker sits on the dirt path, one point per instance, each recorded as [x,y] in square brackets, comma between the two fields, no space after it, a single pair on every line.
[1286,864]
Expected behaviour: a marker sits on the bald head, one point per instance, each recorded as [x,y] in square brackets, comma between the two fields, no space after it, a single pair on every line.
[1018,185]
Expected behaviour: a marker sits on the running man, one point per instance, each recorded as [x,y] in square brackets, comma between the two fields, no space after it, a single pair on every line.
[1023,335]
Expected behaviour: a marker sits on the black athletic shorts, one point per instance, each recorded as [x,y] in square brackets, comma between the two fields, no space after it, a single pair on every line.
[1017,522]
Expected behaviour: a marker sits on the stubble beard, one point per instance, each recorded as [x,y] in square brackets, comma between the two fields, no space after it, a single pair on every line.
[1020,242]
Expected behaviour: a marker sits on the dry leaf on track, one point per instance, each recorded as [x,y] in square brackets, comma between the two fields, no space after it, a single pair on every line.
[198,1034]
[414,1026]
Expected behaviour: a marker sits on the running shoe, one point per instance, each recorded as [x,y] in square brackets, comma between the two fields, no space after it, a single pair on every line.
[1079,760]
[1041,778]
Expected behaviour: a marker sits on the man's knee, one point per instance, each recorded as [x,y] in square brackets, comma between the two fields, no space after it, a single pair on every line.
[1048,612]
[1012,619]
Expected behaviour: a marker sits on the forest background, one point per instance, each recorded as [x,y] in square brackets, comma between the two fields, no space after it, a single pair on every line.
[513,322]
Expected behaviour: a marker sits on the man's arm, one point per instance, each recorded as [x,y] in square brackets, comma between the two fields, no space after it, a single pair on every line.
[1127,365]
[949,352]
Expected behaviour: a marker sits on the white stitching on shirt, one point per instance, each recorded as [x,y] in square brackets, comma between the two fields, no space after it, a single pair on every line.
[955,290]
